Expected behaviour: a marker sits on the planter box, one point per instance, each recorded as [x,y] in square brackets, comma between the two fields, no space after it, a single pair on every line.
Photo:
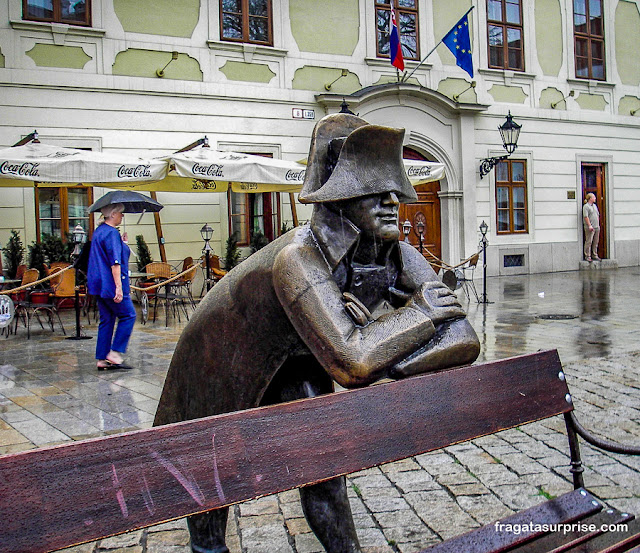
[40,297]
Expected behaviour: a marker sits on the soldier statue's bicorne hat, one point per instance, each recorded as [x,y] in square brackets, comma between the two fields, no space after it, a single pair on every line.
[350,158]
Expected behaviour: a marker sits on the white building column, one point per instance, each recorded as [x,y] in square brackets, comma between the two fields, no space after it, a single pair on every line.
[469,175]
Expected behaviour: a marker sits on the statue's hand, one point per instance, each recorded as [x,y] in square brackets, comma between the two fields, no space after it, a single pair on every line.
[356,310]
[436,301]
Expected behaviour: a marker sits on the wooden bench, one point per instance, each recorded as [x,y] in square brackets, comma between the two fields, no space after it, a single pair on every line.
[59,496]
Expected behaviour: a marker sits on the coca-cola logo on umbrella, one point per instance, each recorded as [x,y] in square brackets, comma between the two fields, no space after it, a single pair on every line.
[295,176]
[134,172]
[414,171]
[212,170]
[26,169]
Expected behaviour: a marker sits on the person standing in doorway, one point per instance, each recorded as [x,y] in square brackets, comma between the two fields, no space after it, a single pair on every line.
[108,279]
[591,220]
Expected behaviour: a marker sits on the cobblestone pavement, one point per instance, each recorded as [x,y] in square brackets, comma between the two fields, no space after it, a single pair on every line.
[50,393]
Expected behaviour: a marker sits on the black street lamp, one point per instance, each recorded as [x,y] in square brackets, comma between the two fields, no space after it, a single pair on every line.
[420,229]
[509,132]
[483,230]
[79,236]
[406,230]
[207,232]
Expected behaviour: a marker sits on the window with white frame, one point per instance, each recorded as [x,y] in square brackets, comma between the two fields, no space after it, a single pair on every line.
[505,34]
[407,20]
[72,12]
[511,196]
[588,32]
[246,21]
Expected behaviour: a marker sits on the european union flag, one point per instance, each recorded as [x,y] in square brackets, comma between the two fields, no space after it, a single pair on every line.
[458,41]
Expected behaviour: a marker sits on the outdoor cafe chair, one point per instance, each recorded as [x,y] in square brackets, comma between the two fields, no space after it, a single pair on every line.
[64,287]
[34,303]
[215,272]
[468,271]
[186,281]
[20,271]
[172,301]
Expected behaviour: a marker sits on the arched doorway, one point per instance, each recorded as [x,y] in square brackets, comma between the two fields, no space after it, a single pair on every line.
[425,210]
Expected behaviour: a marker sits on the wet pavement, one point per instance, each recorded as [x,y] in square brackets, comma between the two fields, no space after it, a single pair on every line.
[50,392]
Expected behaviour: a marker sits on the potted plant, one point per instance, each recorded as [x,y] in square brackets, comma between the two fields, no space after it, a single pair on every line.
[232,255]
[54,249]
[36,257]
[142,253]
[13,253]
[40,296]
[258,240]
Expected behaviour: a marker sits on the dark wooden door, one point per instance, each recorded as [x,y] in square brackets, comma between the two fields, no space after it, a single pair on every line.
[593,181]
[427,210]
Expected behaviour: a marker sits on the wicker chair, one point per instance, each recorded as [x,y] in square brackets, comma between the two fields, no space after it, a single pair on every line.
[186,281]
[64,287]
[172,301]
[26,308]
[215,272]
[467,276]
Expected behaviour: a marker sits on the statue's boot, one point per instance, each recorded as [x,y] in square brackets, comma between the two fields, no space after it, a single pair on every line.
[208,531]
[326,508]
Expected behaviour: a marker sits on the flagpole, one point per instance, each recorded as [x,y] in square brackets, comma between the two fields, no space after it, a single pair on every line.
[405,79]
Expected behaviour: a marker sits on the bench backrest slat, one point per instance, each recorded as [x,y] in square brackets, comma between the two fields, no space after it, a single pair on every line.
[54,497]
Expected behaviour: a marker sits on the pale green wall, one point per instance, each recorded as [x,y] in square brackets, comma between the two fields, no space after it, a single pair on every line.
[325,27]
[451,86]
[50,55]
[595,102]
[252,72]
[511,94]
[314,78]
[158,17]
[386,79]
[627,24]
[144,63]
[627,104]
[548,23]
[445,15]
[550,95]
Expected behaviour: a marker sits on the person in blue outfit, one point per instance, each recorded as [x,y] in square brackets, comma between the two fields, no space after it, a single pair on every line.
[108,280]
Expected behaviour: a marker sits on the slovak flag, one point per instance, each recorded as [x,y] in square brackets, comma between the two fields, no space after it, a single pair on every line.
[395,48]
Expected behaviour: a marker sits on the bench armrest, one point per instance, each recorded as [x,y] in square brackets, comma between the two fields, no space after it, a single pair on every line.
[601,443]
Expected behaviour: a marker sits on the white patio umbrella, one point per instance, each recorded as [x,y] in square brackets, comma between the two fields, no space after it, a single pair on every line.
[208,170]
[49,165]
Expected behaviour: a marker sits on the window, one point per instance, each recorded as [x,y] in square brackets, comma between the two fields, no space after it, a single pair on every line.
[504,32]
[246,21]
[73,12]
[588,30]
[254,214]
[511,196]
[407,19]
[59,210]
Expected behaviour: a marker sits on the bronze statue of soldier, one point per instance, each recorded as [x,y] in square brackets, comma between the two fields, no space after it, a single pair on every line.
[340,299]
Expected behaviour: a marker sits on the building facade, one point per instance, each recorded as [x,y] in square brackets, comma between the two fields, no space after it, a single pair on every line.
[151,76]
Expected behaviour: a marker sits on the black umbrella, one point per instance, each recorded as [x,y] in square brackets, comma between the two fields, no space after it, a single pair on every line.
[133,202]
